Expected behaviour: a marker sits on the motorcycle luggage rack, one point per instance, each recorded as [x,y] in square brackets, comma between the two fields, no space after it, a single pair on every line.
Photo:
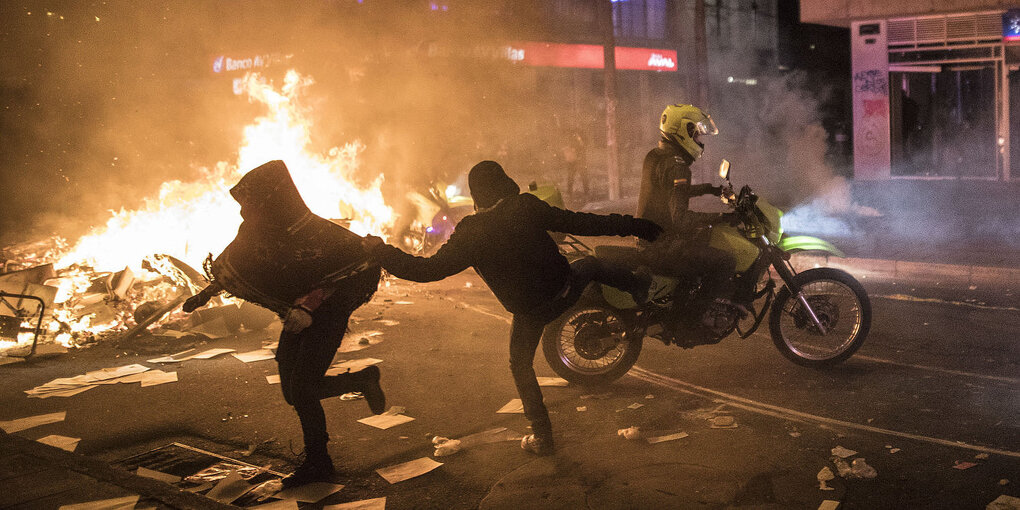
[11,326]
[572,246]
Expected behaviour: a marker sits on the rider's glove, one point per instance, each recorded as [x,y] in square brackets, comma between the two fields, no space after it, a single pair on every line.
[717,190]
[646,229]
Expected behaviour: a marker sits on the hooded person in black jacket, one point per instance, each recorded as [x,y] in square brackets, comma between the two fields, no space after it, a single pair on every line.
[508,244]
[313,274]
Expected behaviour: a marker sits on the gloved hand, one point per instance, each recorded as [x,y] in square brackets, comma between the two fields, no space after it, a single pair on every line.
[371,242]
[717,190]
[297,320]
[193,302]
[647,229]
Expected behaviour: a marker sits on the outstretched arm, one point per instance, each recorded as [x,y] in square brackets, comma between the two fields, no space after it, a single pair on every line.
[586,224]
[452,258]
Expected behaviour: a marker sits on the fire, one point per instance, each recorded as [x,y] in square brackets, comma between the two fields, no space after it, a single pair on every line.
[190,220]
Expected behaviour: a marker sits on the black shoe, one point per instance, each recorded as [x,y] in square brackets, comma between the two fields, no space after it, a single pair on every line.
[642,286]
[317,469]
[539,445]
[367,382]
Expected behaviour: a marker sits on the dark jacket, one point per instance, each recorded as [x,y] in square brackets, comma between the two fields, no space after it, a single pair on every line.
[284,255]
[666,188]
[510,248]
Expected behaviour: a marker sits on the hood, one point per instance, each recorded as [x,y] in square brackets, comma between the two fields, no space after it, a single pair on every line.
[268,196]
[490,184]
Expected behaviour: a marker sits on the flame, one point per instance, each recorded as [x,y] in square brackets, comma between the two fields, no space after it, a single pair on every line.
[189,220]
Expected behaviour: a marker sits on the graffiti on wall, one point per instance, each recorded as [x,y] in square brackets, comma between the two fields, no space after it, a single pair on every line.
[873,81]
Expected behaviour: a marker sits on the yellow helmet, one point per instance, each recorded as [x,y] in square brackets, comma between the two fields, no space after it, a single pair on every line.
[683,124]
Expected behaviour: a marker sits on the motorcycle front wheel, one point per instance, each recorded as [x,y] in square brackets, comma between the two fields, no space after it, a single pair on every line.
[840,304]
[586,344]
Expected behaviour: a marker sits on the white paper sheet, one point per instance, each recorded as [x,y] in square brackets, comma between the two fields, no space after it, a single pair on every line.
[273,379]
[408,470]
[212,353]
[253,356]
[20,424]
[309,493]
[668,437]
[552,381]
[229,488]
[62,442]
[385,421]
[365,504]
[512,407]
[121,503]
[158,377]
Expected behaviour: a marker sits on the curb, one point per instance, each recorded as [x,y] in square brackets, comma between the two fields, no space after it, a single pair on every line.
[921,271]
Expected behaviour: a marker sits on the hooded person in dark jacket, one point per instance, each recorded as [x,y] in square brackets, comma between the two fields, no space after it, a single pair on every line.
[508,244]
[313,274]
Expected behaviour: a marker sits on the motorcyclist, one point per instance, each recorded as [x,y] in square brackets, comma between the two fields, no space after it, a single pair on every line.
[666,190]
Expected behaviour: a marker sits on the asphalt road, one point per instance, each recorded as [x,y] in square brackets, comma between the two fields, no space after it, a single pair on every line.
[935,384]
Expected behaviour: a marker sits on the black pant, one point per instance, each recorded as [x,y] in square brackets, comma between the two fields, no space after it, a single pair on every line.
[526,332]
[303,359]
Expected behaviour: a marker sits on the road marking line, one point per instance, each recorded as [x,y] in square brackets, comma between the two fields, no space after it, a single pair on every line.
[998,378]
[1010,380]
[483,311]
[907,297]
[785,413]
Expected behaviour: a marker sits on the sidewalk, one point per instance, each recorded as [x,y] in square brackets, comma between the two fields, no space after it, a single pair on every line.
[34,475]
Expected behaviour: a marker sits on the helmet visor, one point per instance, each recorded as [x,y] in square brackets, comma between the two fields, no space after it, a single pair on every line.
[706,126]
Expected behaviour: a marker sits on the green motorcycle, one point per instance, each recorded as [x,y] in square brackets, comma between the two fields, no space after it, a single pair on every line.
[819,317]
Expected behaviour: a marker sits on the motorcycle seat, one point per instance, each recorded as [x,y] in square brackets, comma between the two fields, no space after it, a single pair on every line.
[626,256]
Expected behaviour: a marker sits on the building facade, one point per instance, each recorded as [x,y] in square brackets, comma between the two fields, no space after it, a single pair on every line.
[936,87]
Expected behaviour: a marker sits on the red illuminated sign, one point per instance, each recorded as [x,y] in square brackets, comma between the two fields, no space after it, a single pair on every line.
[589,56]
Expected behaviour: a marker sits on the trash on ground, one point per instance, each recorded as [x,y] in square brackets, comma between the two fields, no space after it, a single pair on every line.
[68,386]
[220,470]
[216,328]
[156,377]
[310,492]
[667,437]
[582,409]
[512,407]
[630,433]
[253,356]
[354,395]
[445,446]
[824,476]
[408,470]
[552,381]
[20,424]
[279,504]
[635,405]
[1004,502]
[893,450]
[843,453]
[354,365]
[981,456]
[649,396]
[62,442]
[842,466]
[176,358]
[596,396]
[273,379]
[157,475]
[859,468]
[365,504]
[963,465]
[403,302]
[121,503]
[828,504]
[390,418]
[1004,481]
[723,422]
[229,488]
[359,341]
[794,434]
[387,322]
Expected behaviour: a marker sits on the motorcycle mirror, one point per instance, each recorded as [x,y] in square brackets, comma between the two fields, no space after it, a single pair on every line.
[724,169]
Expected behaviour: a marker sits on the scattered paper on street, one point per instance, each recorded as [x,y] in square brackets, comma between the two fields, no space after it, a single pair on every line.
[155,377]
[843,453]
[552,381]
[361,340]
[310,492]
[20,424]
[185,355]
[157,475]
[512,407]
[62,442]
[365,504]
[387,322]
[216,328]
[229,488]
[963,465]
[582,409]
[635,405]
[353,365]
[828,505]
[725,422]
[495,435]
[121,503]
[1004,502]
[403,302]
[408,470]
[273,379]
[668,437]
[252,356]
[279,504]
[386,420]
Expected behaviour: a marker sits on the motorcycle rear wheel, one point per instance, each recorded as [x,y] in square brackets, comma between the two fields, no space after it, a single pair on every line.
[841,305]
[586,344]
